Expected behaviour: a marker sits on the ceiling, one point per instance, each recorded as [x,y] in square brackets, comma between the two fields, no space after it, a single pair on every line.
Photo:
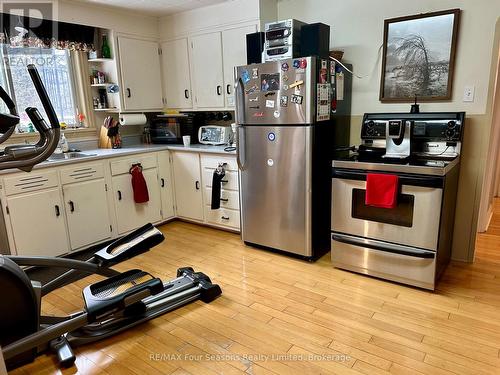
[154,7]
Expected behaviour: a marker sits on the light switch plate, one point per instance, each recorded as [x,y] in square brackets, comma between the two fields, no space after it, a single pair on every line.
[468,93]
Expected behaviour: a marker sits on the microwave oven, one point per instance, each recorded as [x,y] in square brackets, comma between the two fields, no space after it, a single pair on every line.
[169,129]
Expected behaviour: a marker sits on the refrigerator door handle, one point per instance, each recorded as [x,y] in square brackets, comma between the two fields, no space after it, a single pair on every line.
[240,145]
[240,101]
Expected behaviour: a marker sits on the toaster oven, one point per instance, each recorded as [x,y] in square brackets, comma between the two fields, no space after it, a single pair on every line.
[214,135]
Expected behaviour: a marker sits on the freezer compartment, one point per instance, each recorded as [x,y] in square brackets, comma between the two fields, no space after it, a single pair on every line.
[384,260]
[277,92]
[275,187]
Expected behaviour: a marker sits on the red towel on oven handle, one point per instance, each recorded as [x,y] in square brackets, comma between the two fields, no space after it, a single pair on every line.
[139,185]
[381,190]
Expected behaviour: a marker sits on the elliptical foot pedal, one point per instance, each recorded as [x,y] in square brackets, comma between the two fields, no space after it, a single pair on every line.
[134,243]
[119,292]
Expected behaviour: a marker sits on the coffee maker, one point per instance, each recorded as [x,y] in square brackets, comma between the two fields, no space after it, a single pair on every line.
[397,139]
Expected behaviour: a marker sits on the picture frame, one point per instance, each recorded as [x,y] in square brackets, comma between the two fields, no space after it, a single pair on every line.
[419,57]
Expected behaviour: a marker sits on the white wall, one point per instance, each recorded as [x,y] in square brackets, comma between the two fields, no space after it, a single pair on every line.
[357,27]
[109,18]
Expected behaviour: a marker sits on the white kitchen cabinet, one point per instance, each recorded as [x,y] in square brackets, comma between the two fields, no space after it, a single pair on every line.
[206,65]
[187,180]
[176,75]
[234,54]
[140,74]
[166,185]
[37,223]
[87,212]
[131,215]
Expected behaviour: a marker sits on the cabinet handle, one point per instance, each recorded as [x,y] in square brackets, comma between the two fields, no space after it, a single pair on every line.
[219,90]
[162,182]
[228,89]
[186,93]
[129,94]
[119,195]
[71,206]
[224,199]
[58,211]
[224,181]
[197,185]
[225,217]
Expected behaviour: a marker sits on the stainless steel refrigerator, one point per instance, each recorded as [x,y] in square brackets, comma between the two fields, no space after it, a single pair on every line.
[284,141]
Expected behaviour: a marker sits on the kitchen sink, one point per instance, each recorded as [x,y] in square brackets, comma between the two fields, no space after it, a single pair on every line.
[68,156]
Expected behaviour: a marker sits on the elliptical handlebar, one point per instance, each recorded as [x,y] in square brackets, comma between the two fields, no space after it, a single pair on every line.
[25,157]
[44,97]
[9,121]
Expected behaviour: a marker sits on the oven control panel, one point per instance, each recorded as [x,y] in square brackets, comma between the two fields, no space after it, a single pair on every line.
[437,130]
[425,127]
[373,129]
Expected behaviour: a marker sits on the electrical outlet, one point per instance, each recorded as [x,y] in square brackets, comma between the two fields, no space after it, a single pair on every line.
[468,93]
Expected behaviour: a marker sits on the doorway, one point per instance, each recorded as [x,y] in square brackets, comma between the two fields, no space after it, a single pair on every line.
[491,182]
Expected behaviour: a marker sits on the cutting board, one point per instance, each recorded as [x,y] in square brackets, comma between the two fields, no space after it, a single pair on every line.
[104,141]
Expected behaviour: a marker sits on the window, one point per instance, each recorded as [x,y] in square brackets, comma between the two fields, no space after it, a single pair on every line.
[54,67]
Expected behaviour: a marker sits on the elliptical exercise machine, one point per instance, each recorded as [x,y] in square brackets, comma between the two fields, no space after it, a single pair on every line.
[119,302]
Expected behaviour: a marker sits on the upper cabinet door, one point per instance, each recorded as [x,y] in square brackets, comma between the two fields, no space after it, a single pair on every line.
[140,74]
[176,77]
[234,48]
[206,63]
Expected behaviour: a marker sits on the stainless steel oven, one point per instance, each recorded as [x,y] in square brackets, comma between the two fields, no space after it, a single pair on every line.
[410,243]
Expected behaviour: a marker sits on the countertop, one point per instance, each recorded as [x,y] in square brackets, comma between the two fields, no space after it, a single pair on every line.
[106,153]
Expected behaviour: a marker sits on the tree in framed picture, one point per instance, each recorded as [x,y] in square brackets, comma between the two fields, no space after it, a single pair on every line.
[418,57]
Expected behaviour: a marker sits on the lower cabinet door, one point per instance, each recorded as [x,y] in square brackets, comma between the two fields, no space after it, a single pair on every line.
[38,223]
[87,212]
[187,179]
[166,184]
[131,215]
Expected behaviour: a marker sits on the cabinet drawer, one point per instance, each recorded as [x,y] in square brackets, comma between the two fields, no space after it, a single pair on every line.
[123,166]
[229,198]
[229,182]
[212,161]
[82,173]
[30,182]
[223,216]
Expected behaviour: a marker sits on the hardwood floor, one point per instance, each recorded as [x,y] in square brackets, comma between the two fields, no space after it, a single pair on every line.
[279,315]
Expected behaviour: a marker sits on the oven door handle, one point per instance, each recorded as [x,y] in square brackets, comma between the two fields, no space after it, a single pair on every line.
[404,179]
[383,246]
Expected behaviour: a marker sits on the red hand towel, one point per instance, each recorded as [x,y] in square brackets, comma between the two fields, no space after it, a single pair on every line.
[381,190]
[139,185]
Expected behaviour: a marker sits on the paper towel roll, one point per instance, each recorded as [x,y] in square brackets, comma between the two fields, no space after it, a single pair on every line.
[132,119]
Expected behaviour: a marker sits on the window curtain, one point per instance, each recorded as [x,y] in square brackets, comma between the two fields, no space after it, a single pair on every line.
[82,89]
[21,31]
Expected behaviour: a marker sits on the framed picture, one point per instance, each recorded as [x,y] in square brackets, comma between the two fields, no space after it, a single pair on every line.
[418,57]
